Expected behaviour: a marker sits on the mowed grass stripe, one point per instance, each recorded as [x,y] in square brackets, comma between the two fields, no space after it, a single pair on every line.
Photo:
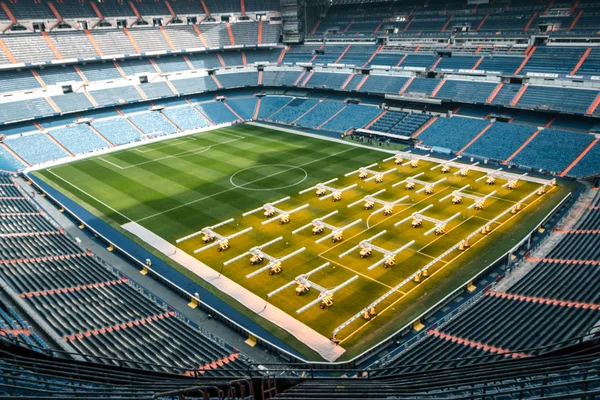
[205,179]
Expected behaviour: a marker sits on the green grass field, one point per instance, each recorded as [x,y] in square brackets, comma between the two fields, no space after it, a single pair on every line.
[176,187]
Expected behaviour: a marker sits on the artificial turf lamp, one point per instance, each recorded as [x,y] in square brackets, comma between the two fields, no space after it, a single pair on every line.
[445,166]
[319,225]
[367,174]
[257,256]
[418,217]
[304,284]
[371,200]
[428,187]
[325,191]
[458,195]
[366,248]
[274,213]
[212,238]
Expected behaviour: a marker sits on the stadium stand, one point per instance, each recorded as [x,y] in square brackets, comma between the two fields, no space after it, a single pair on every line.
[520,79]
[186,117]
[452,133]
[117,130]
[320,114]
[270,105]
[104,310]
[152,123]
[500,141]
[217,112]
[293,110]
[352,116]
[554,286]
[79,139]
[244,107]
[35,148]
[550,151]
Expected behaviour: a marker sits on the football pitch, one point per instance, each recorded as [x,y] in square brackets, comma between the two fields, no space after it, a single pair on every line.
[174,188]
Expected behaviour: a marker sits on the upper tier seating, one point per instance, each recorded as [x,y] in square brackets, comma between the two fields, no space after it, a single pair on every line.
[113,41]
[194,85]
[28,48]
[74,44]
[183,36]
[72,102]
[467,91]
[117,95]
[557,99]
[555,60]
[215,34]
[24,109]
[280,78]
[148,39]
[242,79]
[321,80]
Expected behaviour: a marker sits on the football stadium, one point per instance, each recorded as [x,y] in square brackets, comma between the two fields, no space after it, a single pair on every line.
[299,199]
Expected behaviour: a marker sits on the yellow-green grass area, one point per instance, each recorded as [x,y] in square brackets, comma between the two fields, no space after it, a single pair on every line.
[176,187]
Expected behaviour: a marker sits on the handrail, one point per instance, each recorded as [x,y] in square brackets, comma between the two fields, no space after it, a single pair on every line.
[289,367]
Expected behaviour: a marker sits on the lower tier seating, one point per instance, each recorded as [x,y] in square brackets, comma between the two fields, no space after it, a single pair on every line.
[553,149]
[452,133]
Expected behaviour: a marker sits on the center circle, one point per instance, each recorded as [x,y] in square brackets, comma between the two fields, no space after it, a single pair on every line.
[268,177]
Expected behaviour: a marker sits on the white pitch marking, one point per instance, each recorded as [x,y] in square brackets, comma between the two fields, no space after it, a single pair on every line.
[87,194]
[182,154]
[247,183]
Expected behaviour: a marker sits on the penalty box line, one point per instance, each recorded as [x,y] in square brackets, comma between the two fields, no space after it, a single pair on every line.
[183,140]
[439,270]
[181,154]
[245,184]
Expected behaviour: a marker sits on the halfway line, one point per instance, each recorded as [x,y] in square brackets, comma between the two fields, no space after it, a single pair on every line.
[241,186]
